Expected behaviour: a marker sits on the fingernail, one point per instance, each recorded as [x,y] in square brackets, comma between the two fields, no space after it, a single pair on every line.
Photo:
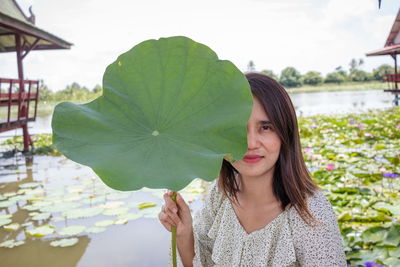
[175,210]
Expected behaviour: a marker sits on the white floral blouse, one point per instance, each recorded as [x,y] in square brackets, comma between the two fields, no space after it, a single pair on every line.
[287,240]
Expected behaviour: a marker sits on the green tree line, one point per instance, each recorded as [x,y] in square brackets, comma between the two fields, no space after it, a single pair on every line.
[290,77]
[73,92]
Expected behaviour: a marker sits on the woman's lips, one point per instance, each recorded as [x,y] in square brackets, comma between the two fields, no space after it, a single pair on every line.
[252,159]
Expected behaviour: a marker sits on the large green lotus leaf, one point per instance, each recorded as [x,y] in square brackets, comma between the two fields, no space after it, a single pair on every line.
[169,113]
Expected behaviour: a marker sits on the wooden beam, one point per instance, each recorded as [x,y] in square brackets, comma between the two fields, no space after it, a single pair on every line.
[32,46]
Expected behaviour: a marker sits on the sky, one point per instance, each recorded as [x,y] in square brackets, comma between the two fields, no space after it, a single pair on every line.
[310,35]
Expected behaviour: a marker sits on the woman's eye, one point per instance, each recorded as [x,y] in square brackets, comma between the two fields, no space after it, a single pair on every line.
[266,127]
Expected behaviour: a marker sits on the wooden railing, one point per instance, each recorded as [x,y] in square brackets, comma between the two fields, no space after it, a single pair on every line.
[393,80]
[11,96]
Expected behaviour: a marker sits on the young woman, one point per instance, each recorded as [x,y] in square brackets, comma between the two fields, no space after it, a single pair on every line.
[263,210]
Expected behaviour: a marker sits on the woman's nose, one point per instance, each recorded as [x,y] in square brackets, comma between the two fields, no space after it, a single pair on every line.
[252,140]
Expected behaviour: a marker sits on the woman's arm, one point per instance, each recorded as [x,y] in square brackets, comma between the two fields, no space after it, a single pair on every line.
[194,245]
[178,214]
[185,247]
[319,245]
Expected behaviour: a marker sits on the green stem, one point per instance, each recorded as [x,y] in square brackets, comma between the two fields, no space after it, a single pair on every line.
[174,264]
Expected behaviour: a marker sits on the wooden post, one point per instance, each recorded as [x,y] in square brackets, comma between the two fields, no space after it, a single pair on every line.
[22,112]
[396,95]
[395,71]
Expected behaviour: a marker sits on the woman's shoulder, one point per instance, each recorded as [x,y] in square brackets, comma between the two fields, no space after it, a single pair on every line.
[319,207]
[214,197]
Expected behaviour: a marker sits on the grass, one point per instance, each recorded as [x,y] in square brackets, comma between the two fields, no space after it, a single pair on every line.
[354,86]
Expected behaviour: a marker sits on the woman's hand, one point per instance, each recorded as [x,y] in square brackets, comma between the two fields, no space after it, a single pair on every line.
[177,214]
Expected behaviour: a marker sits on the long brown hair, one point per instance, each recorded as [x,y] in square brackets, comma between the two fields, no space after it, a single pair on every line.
[292,182]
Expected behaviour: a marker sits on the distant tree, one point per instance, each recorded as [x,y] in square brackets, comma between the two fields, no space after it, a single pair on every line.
[45,94]
[360,76]
[334,77]
[360,62]
[251,66]
[380,71]
[312,78]
[270,73]
[74,92]
[97,89]
[290,77]
[342,72]
[353,64]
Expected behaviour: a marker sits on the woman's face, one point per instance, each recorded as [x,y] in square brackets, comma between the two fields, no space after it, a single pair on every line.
[263,145]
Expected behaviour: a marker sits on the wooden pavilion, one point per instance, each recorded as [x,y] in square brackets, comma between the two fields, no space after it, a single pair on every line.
[392,48]
[19,97]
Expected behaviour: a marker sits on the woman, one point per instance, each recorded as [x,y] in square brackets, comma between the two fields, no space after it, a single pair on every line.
[263,210]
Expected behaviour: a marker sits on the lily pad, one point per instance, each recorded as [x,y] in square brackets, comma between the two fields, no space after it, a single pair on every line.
[29,185]
[4,221]
[5,216]
[7,203]
[104,223]
[72,230]
[393,236]
[9,194]
[83,213]
[119,195]
[95,230]
[169,113]
[60,207]
[26,224]
[121,221]
[11,243]
[41,231]
[66,242]
[116,211]
[150,212]
[146,205]
[41,216]
[11,227]
[111,205]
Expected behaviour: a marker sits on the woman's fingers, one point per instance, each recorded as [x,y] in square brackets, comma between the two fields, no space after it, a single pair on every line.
[165,220]
[169,203]
[181,203]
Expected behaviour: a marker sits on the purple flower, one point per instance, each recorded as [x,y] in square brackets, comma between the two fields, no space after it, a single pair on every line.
[372,264]
[390,175]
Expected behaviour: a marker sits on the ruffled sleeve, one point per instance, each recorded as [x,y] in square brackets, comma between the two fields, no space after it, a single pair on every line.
[319,245]
[202,222]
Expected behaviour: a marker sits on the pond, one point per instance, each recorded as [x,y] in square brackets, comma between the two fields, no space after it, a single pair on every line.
[64,200]
[328,103]
[306,104]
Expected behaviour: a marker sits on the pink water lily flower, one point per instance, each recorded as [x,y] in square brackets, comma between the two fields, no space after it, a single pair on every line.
[360,126]
[330,166]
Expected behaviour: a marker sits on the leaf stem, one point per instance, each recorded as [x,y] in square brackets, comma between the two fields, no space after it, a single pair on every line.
[174,264]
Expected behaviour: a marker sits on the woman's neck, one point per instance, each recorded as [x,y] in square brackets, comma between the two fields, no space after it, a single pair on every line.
[256,191]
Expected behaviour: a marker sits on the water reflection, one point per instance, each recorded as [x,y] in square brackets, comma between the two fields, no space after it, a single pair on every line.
[53,190]
[326,103]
